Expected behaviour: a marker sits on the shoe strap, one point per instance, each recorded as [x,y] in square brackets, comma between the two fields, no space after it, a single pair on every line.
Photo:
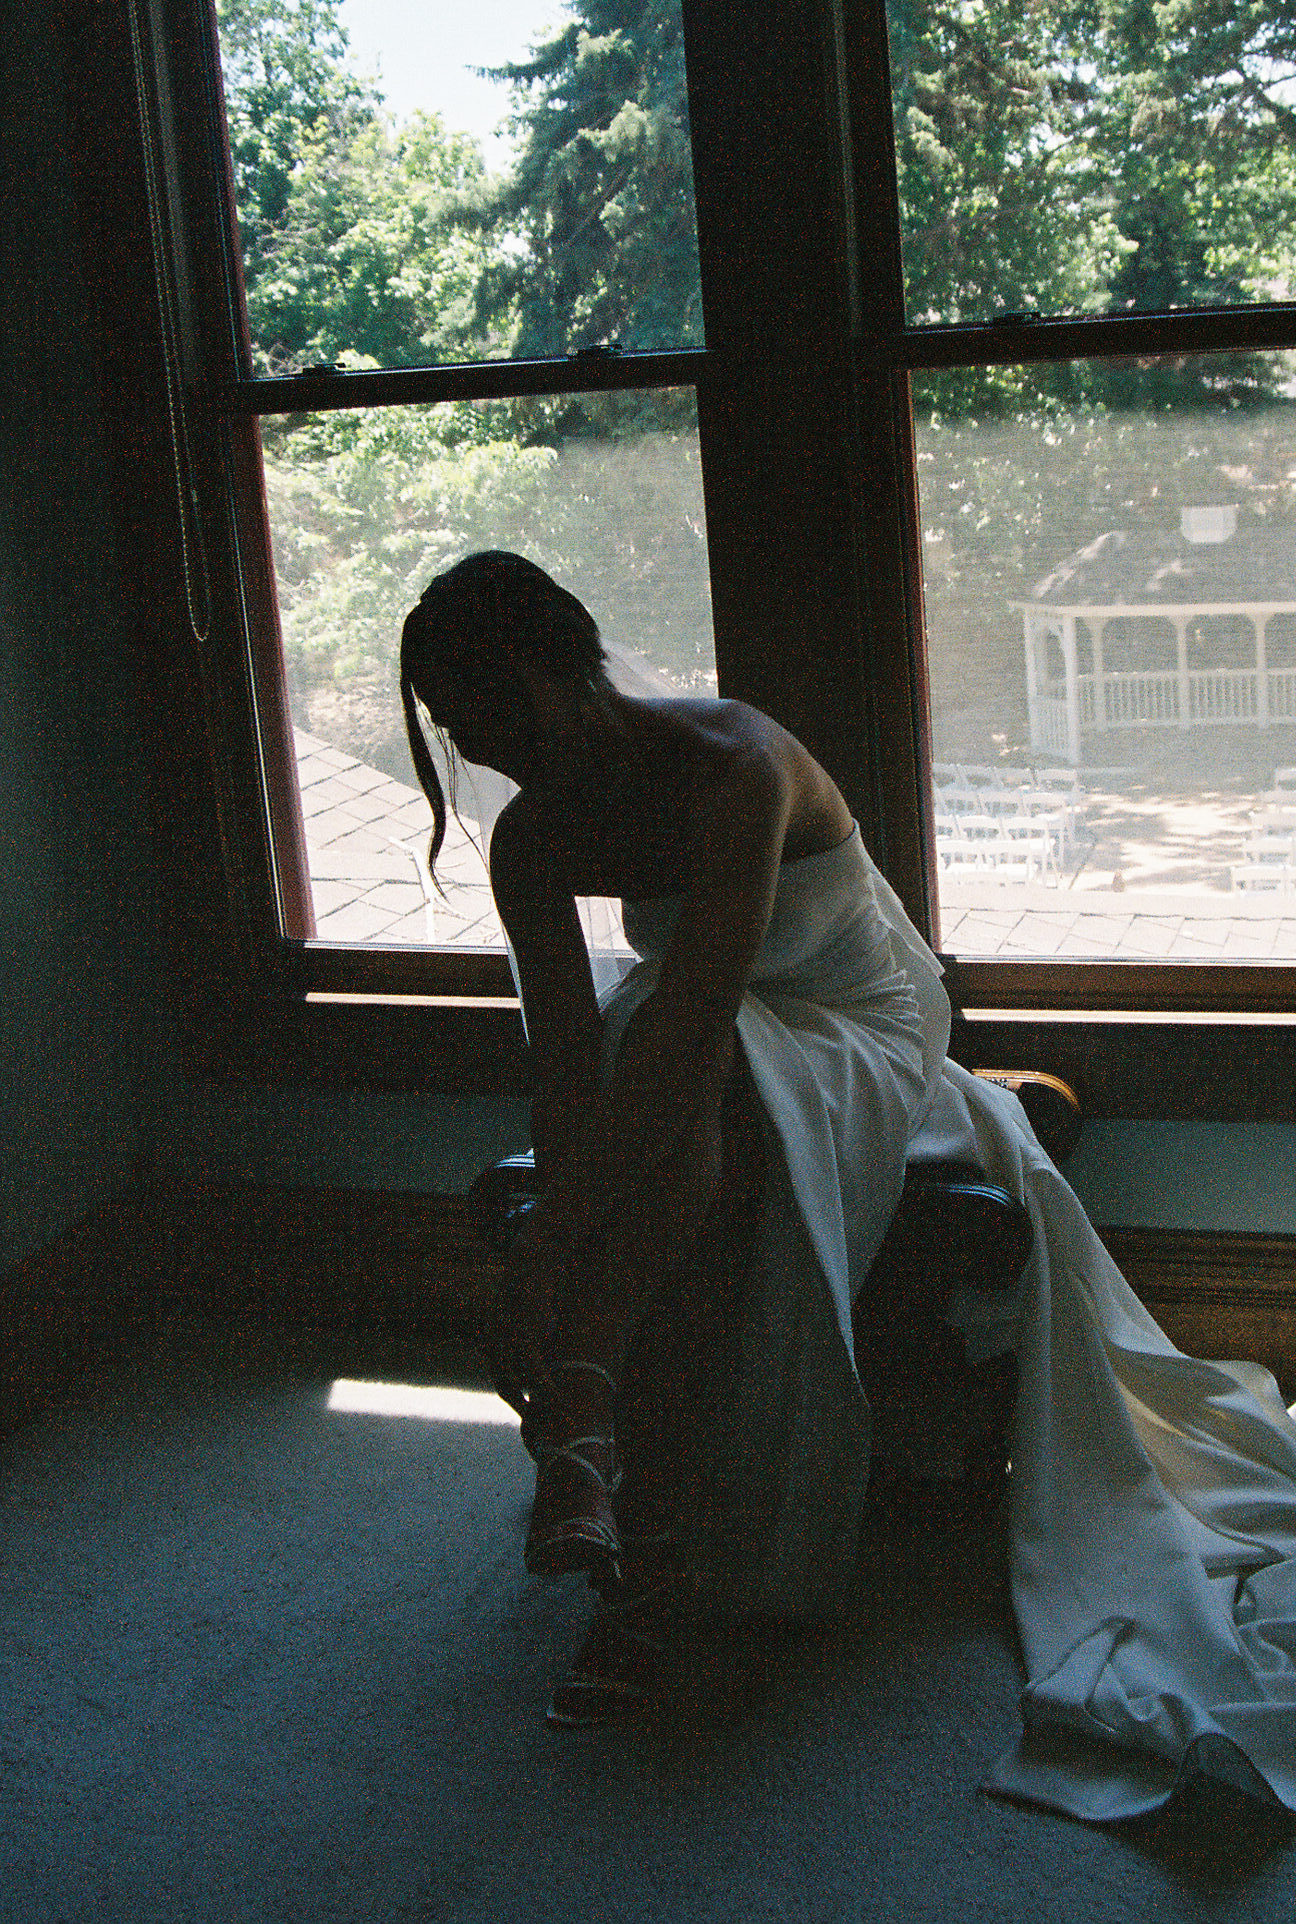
[595,1369]
[546,1452]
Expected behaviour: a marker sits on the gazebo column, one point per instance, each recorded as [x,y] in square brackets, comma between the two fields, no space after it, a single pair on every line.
[1072,689]
[1098,628]
[1181,645]
[1030,635]
[1260,621]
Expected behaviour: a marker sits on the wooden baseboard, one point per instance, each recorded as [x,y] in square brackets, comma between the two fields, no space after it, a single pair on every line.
[381,1262]
[1225,1293]
[424,1264]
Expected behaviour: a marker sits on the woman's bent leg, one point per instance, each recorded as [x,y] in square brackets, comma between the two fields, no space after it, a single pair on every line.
[664,1262]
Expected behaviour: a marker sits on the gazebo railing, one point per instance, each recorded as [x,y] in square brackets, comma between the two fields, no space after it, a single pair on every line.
[1154,698]
[1146,696]
[1222,695]
[1282,694]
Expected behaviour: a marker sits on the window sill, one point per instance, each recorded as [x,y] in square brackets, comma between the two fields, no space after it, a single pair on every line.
[383,1042]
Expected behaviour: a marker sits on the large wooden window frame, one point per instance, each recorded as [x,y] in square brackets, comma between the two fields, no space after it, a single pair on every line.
[805,424]
[1143,1039]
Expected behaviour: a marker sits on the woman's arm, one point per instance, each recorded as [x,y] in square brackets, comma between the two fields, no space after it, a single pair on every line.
[564,1027]
[677,1053]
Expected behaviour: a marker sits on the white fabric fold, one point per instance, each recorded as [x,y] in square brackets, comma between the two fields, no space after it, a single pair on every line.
[1153,1496]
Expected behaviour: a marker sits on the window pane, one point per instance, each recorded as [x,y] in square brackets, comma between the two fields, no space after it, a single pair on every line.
[1109,559]
[365,506]
[397,208]
[1056,158]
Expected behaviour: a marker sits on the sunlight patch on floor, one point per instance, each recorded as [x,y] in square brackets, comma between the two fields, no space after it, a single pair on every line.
[435,1403]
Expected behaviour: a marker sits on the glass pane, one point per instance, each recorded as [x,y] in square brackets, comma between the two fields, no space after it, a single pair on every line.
[365,506]
[1062,158]
[1109,561]
[398,207]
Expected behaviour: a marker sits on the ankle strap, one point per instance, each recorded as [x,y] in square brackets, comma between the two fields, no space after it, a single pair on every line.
[596,1369]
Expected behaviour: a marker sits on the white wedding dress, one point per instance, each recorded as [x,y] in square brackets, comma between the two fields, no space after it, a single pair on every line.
[1153,1497]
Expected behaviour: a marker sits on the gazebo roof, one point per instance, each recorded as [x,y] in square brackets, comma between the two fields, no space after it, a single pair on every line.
[1161,568]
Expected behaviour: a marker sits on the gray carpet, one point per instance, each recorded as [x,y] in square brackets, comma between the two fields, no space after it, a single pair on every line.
[266,1660]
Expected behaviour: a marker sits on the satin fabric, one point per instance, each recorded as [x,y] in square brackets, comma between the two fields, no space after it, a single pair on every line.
[1153,1497]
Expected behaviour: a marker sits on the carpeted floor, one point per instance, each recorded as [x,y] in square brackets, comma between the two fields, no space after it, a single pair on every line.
[266,1659]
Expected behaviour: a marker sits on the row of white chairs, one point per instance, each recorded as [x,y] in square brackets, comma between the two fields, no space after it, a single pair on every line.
[1022,848]
[1048,800]
[1269,854]
[1268,878]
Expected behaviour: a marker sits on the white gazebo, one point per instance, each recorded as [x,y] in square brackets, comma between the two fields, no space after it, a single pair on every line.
[1208,567]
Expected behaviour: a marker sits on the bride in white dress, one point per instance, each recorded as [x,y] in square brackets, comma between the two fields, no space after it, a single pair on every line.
[723,1142]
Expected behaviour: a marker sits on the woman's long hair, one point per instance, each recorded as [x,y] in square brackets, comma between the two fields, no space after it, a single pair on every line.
[487,601]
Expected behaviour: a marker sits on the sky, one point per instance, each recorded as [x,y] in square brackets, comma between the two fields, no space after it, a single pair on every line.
[421,50]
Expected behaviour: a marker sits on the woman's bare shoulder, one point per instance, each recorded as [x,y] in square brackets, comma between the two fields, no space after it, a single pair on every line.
[520,858]
[744,746]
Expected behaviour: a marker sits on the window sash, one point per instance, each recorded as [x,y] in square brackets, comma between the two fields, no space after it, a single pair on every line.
[877,746]
[886,351]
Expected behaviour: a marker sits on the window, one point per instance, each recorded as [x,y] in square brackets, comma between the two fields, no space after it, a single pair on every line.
[372,412]
[1084,336]
[924,365]
[536,272]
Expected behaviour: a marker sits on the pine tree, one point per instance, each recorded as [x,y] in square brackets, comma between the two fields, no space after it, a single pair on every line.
[602,193]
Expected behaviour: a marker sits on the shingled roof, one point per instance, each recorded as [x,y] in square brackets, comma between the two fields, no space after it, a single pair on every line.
[1160,567]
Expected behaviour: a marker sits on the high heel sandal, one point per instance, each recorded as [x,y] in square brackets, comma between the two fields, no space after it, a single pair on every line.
[621,1660]
[572,1525]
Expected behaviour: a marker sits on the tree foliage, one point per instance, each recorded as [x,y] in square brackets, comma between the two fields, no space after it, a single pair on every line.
[602,192]
[358,238]
[1004,206]
[1091,155]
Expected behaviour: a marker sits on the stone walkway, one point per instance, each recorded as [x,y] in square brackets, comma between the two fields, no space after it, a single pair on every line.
[983,919]
[367,836]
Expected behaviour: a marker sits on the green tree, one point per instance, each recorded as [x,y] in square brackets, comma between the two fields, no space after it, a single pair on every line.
[355,240]
[371,259]
[1188,116]
[602,192]
[1003,204]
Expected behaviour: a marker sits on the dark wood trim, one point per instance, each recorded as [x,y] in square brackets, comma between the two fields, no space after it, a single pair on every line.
[1146,1070]
[1216,1293]
[338,968]
[381,1045]
[1017,341]
[1093,988]
[274,727]
[595,371]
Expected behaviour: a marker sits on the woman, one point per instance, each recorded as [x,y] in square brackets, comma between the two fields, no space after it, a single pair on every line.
[723,1145]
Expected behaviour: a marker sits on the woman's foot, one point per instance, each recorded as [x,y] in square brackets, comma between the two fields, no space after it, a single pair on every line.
[572,1525]
[620,1661]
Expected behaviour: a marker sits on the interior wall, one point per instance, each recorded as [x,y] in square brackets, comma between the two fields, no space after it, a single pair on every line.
[343,1139]
[81,1034]
[1188,1175]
